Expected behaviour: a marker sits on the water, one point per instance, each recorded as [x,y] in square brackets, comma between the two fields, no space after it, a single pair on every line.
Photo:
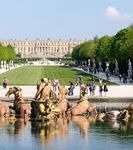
[77,133]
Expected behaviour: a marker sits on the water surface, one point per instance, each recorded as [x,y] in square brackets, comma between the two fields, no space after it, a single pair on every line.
[79,133]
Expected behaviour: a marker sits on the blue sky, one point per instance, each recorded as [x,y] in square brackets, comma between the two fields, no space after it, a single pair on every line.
[65,19]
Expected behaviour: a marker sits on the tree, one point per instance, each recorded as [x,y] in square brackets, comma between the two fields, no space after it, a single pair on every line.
[75,52]
[87,50]
[7,53]
[11,53]
[122,48]
[103,48]
[122,45]
[130,27]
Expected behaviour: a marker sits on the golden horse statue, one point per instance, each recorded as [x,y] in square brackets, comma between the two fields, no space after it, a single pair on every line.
[83,107]
[62,104]
[21,108]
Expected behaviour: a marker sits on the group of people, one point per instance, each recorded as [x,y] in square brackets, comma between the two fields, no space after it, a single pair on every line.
[88,88]
[91,87]
[123,78]
[103,88]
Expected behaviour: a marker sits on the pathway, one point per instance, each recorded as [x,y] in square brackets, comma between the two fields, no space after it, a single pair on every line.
[113,79]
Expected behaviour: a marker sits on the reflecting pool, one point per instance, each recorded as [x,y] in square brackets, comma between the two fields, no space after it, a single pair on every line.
[77,133]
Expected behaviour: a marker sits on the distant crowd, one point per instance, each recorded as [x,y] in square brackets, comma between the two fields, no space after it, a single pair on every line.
[85,88]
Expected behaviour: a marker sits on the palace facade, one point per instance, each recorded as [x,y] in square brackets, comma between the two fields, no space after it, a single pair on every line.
[42,48]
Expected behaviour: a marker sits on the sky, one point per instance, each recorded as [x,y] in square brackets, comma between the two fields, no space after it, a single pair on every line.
[63,19]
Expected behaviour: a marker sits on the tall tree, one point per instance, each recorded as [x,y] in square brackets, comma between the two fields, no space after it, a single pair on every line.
[11,53]
[87,50]
[122,45]
[103,48]
[7,53]
[122,48]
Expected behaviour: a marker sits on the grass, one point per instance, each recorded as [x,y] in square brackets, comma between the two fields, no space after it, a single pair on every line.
[29,75]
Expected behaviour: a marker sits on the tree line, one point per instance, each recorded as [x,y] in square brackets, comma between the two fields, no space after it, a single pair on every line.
[7,53]
[107,49]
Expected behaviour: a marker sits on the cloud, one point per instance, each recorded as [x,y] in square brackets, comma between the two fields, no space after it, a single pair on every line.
[112,13]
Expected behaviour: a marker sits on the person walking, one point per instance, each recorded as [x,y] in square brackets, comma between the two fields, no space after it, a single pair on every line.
[79,81]
[100,89]
[5,82]
[120,76]
[105,89]
[70,89]
[54,85]
[93,88]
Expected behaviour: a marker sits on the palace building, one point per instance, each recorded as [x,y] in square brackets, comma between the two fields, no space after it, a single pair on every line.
[42,48]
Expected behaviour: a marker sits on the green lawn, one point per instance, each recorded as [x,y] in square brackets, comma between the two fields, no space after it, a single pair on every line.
[29,75]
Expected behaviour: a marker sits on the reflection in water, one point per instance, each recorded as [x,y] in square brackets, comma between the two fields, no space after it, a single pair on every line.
[3,121]
[78,133]
[82,123]
[119,127]
[16,128]
[48,131]
[19,127]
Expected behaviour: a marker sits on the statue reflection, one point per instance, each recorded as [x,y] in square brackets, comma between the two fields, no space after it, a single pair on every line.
[124,127]
[19,126]
[14,128]
[83,123]
[47,131]
[3,121]
[130,126]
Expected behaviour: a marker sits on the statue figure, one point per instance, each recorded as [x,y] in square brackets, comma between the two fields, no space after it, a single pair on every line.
[100,67]
[43,90]
[116,68]
[129,69]
[94,63]
[47,105]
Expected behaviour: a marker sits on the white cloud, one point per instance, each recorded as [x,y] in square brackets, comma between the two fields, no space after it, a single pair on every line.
[112,13]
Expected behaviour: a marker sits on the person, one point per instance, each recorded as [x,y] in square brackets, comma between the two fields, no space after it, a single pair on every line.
[5,82]
[100,89]
[100,81]
[120,76]
[105,88]
[79,81]
[124,78]
[71,87]
[54,85]
[91,89]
